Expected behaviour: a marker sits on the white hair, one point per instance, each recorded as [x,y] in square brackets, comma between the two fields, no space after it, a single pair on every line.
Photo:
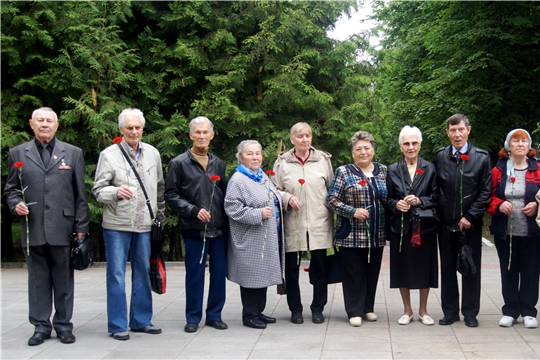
[410,131]
[45,109]
[242,147]
[130,111]
[200,120]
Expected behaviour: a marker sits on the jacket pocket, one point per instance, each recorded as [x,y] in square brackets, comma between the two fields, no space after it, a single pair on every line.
[68,212]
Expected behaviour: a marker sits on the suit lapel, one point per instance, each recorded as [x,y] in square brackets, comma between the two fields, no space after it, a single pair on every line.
[57,155]
[33,154]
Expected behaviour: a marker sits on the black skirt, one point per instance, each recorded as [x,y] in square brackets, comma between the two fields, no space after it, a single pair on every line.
[414,267]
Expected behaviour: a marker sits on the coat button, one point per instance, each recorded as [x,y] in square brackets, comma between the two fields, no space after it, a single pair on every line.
[46,208]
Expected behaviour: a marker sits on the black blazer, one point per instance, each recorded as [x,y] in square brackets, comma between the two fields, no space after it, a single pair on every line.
[423,186]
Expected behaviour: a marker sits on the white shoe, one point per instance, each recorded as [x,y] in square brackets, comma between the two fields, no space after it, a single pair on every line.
[507,321]
[530,322]
[405,320]
[426,320]
[356,321]
[370,316]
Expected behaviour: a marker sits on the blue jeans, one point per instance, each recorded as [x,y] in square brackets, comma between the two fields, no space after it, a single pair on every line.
[117,247]
[216,248]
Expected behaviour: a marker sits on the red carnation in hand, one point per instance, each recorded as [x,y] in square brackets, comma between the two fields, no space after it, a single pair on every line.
[512,179]
[362,182]
[419,171]
[464,157]
[301,181]
[215,178]
[270,173]
[18,164]
[117,140]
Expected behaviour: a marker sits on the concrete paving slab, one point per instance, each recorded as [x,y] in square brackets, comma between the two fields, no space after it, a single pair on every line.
[334,339]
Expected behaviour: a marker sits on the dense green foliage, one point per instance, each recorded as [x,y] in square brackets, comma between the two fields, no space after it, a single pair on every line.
[255,68]
[477,58]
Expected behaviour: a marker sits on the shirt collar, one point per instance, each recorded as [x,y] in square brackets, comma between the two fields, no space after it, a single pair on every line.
[463,150]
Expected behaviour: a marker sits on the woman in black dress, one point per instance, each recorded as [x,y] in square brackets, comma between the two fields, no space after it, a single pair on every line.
[412,194]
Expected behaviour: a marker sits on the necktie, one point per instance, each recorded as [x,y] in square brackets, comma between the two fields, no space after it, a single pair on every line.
[45,155]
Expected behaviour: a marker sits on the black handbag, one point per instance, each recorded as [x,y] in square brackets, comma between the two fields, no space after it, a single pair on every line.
[426,215]
[157,273]
[465,260]
[344,228]
[333,269]
[82,252]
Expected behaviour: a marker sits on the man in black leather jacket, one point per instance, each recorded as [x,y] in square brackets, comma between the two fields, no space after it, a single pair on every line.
[464,178]
[195,189]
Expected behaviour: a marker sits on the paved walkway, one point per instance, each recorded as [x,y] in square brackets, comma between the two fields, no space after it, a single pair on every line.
[335,339]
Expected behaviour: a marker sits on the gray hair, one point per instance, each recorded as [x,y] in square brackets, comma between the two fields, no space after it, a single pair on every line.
[243,145]
[361,135]
[299,126]
[456,119]
[130,111]
[45,109]
[410,131]
[200,120]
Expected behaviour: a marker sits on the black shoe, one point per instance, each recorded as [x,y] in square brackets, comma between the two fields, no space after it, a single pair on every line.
[217,324]
[38,338]
[318,318]
[191,327]
[267,319]
[149,329]
[471,322]
[66,337]
[297,318]
[448,320]
[255,324]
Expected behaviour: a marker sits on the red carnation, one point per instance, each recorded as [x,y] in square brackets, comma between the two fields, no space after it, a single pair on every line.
[362,182]
[301,181]
[215,178]
[18,164]
[464,157]
[419,171]
[270,173]
[512,179]
[117,140]
[306,269]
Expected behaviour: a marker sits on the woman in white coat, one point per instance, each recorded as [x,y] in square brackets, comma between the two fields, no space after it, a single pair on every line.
[303,175]
[255,258]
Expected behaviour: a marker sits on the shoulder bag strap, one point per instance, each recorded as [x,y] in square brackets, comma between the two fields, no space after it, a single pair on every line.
[138,178]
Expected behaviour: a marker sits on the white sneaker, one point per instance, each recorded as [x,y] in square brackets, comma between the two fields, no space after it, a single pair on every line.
[356,321]
[370,316]
[507,321]
[530,322]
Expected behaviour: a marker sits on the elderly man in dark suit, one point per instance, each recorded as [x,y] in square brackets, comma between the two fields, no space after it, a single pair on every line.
[48,174]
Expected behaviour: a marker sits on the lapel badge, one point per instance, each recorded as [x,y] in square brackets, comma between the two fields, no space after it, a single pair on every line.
[64,166]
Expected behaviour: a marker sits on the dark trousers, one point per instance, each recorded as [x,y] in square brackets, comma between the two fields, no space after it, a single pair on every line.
[520,283]
[195,273]
[253,303]
[317,272]
[449,245]
[359,278]
[50,278]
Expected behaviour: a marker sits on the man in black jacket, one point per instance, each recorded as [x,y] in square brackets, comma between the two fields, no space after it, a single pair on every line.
[195,189]
[464,178]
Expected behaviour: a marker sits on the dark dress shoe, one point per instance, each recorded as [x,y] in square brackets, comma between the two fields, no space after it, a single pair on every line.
[38,338]
[255,324]
[318,318]
[217,324]
[148,329]
[191,327]
[267,319]
[471,322]
[66,337]
[297,318]
[448,320]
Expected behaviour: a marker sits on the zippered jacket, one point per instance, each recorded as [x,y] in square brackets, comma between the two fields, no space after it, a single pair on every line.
[464,186]
[499,220]
[189,189]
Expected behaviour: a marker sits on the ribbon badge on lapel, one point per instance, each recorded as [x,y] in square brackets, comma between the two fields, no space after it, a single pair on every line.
[64,166]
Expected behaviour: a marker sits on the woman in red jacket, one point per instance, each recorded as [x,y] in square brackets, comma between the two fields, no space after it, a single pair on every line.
[513,207]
